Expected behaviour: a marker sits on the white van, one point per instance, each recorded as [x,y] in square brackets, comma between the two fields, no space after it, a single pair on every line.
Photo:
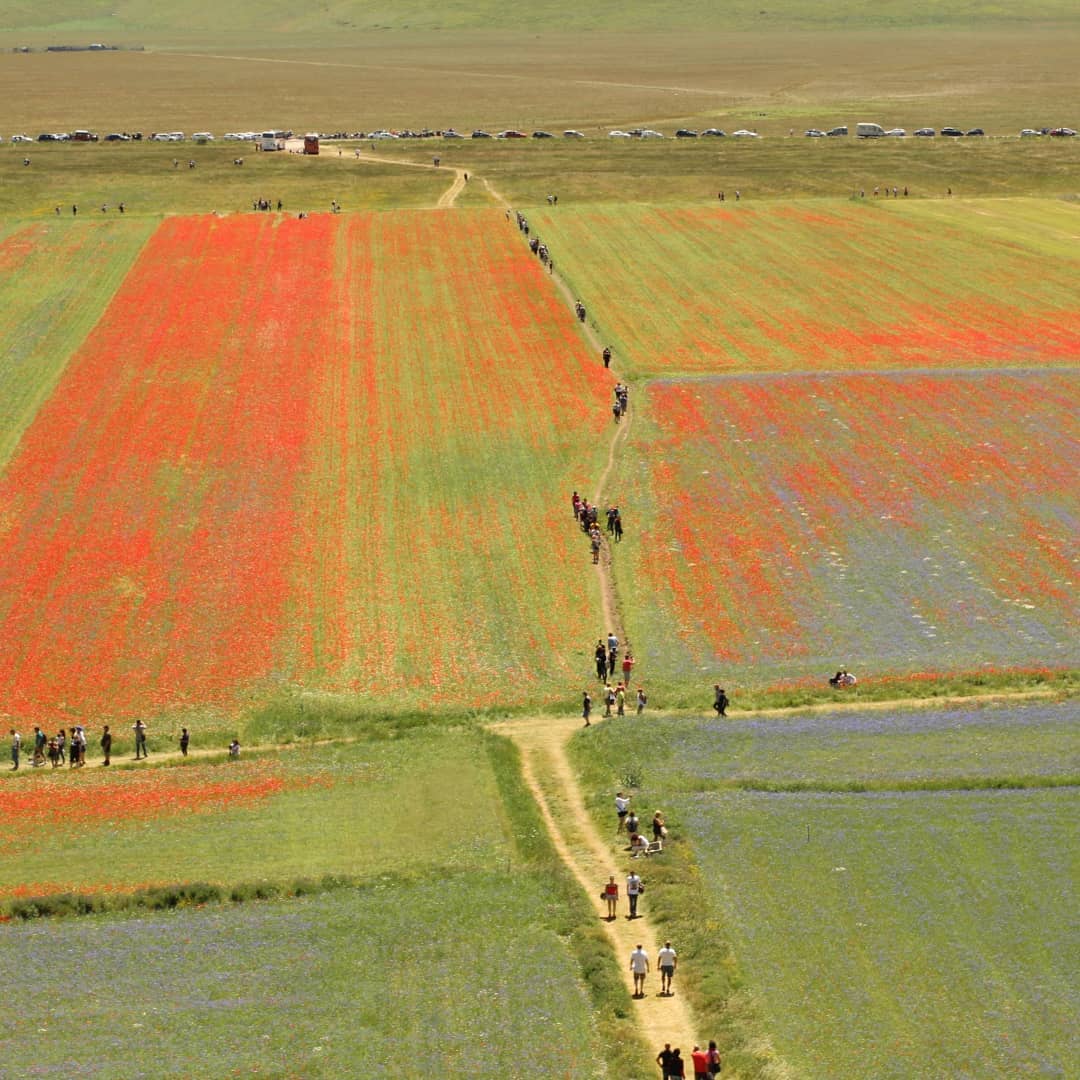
[869,131]
[202,137]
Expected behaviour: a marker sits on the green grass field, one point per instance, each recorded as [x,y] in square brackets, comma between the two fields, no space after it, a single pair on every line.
[466,967]
[916,932]
[358,810]
[447,920]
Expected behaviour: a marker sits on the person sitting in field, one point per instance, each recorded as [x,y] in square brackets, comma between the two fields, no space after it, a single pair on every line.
[842,678]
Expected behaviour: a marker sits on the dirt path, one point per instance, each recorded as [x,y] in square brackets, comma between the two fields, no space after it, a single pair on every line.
[447,198]
[591,858]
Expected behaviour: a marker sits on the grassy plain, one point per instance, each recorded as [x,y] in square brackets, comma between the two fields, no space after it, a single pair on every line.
[916,929]
[277,20]
[352,810]
[373,981]
[144,178]
[871,283]
[1001,76]
[56,281]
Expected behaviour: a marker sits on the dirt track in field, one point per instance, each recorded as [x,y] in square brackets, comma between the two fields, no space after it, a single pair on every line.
[591,858]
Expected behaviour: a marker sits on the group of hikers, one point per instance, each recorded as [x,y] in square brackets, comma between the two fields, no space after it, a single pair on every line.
[69,747]
[587,516]
[621,402]
[607,665]
[538,248]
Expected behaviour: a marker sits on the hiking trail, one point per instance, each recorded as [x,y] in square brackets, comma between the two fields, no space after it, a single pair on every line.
[591,858]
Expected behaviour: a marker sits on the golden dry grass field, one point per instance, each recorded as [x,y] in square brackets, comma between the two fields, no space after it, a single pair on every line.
[998,78]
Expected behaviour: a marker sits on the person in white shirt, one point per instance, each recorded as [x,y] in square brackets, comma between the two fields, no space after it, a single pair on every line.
[622,808]
[639,966]
[666,961]
[633,891]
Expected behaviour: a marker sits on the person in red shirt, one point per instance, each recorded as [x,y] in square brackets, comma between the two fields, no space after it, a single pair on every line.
[627,667]
[700,1058]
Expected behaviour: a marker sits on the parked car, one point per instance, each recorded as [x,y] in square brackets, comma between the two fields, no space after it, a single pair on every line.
[815,133]
[744,133]
[450,133]
[45,136]
[648,133]
[617,134]
[896,133]
[21,138]
[839,130]
[572,134]
[1027,133]
[1062,132]
[541,135]
[926,133]
[951,132]
[975,131]
[716,133]
[686,133]
[478,134]
[512,134]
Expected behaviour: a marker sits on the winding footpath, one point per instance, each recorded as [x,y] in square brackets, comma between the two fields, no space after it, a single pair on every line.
[590,856]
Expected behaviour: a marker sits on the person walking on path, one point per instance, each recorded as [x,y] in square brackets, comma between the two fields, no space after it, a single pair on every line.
[666,961]
[627,668]
[606,354]
[634,888]
[663,1059]
[611,897]
[620,700]
[140,739]
[616,527]
[622,808]
[700,1059]
[677,1066]
[16,742]
[601,661]
[639,967]
[642,700]
[609,699]
[185,738]
[586,707]
[61,743]
[106,744]
[720,700]
[715,1064]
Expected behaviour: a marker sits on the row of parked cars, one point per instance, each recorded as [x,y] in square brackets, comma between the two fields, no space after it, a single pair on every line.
[876,131]
[862,130]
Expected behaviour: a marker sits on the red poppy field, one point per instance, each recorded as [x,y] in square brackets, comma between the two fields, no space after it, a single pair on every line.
[870,284]
[892,524]
[325,453]
[55,279]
